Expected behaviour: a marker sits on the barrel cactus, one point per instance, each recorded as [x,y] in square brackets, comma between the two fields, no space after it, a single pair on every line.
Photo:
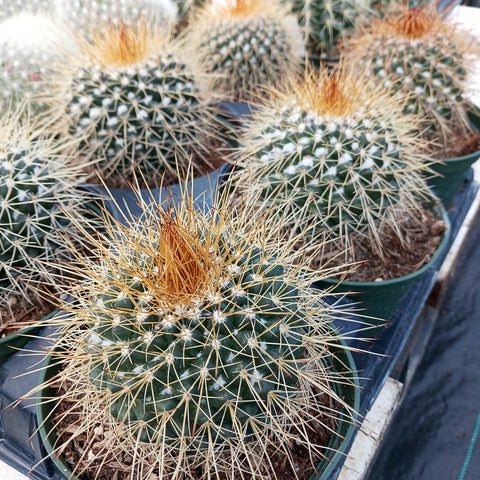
[141,106]
[336,155]
[87,16]
[426,57]
[198,346]
[9,8]
[248,44]
[32,45]
[327,23]
[37,197]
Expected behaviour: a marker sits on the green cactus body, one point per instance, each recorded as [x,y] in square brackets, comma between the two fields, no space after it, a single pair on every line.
[233,347]
[424,58]
[325,23]
[429,70]
[34,187]
[144,115]
[249,46]
[138,118]
[342,161]
[350,167]
[200,343]
[27,213]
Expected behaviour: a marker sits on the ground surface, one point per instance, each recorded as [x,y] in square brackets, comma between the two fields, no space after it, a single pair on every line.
[432,436]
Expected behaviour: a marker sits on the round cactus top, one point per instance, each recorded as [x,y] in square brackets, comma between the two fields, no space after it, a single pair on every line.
[338,153]
[193,333]
[429,59]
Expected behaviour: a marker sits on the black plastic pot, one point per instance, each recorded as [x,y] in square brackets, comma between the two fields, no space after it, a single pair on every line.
[124,206]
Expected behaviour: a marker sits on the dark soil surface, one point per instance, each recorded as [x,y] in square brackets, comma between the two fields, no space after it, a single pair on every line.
[20,313]
[464,145]
[420,240]
[119,466]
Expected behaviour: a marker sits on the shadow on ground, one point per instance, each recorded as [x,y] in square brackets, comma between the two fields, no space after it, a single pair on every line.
[432,436]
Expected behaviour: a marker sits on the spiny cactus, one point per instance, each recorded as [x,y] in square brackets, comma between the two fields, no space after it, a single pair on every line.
[325,23]
[37,190]
[337,154]
[31,47]
[88,16]
[9,8]
[249,44]
[427,58]
[141,106]
[202,349]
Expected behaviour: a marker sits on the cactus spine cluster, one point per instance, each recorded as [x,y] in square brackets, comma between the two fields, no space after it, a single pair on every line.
[338,154]
[140,105]
[326,23]
[37,195]
[248,44]
[200,345]
[427,58]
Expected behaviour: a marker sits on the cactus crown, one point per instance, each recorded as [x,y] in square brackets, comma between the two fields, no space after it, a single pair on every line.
[425,57]
[141,106]
[414,23]
[200,344]
[123,45]
[336,153]
[328,95]
[239,8]
[247,44]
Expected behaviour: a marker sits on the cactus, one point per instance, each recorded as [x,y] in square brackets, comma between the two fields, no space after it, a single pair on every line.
[37,195]
[141,106]
[202,346]
[428,59]
[32,45]
[88,16]
[327,23]
[187,7]
[10,8]
[338,155]
[248,44]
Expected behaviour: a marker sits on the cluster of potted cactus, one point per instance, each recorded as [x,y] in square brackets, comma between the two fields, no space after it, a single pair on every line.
[194,345]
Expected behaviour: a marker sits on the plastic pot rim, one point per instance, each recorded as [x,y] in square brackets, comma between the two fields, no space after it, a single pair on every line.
[412,275]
